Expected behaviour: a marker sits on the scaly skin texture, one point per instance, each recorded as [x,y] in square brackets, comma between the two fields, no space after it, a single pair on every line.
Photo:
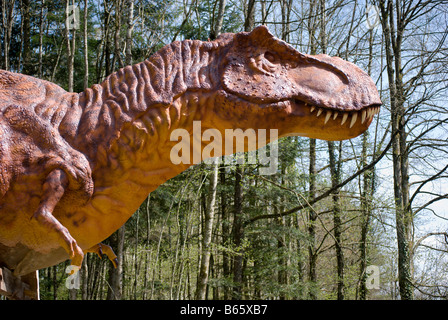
[74,167]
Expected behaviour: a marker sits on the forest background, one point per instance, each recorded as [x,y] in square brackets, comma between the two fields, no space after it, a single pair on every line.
[365,218]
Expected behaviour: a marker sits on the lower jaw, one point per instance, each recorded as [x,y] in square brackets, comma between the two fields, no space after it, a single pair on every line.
[337,124]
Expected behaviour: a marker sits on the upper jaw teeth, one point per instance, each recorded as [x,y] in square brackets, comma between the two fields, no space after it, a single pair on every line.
[362,115]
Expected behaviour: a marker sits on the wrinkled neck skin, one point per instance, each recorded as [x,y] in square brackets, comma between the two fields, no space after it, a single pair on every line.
[138,162]
[126,123]
[146,150]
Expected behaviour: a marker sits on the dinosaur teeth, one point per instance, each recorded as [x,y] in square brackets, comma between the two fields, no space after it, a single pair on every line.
[363,116]
[354,117]
[335,115]
[327,116]
[344,118]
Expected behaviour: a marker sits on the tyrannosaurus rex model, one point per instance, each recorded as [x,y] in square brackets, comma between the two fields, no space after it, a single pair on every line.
[74,167]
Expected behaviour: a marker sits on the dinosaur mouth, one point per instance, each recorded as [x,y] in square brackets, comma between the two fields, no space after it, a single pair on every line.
[295,117]
[364,115]
[352,117]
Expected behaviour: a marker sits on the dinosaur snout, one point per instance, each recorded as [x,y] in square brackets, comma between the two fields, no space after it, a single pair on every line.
[333,83]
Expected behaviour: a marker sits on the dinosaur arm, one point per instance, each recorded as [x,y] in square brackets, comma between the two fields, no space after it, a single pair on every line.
[58,152]
[53,190]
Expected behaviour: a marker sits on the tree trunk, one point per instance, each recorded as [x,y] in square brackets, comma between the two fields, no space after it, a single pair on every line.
[115,290]
[70,46]
[55,282]
[238,232]
[129,31]
[403,216]
[207,234]
[249,21]
[84,278]
[26,40]
[335,171]
[286,14]
[312,254]
[41,34]
[216,27]
[117,39]
[148,252]
[108,68]
[7,21]
[366,198]
[135,255]
[225,230]
[86,47]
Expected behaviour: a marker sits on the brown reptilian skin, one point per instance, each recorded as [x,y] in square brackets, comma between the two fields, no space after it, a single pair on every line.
[74,167]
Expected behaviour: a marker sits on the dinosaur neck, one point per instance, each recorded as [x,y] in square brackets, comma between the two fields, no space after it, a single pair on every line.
[125,124]
[149,87]
[144,146]
[139,160]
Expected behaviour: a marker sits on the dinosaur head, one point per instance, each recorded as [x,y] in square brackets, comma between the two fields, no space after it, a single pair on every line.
[317,96]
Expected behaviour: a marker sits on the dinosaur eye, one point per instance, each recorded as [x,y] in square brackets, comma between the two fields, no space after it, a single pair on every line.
[270,57]
[267,63]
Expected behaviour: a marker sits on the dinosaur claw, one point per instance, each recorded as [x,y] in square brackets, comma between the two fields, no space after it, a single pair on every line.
[77,256]
[101,249]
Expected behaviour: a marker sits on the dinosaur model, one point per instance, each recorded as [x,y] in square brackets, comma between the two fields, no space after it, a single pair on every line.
[75,166]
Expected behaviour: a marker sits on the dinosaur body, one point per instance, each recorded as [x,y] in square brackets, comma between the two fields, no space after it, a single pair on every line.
[74,167]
